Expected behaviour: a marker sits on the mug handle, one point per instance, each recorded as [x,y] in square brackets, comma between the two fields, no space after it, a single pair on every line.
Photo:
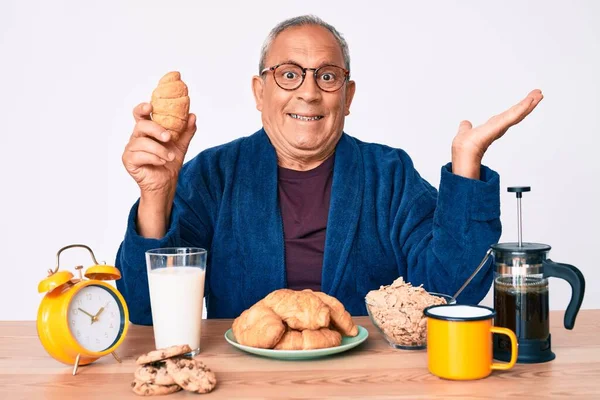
[513,348]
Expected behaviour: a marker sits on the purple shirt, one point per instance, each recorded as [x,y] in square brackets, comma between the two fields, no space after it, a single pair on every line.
[304,201]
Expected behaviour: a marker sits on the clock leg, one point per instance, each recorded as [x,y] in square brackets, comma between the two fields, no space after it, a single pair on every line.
[114,353]
[76,364]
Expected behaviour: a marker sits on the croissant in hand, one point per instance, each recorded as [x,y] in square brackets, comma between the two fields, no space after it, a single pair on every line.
[171,104]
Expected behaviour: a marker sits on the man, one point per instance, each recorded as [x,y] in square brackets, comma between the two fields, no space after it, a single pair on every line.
[300,203]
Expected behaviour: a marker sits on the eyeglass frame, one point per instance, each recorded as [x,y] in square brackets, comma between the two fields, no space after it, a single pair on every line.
[274,67]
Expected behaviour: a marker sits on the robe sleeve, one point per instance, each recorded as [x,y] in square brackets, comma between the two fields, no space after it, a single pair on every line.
[443,235]
[190,226]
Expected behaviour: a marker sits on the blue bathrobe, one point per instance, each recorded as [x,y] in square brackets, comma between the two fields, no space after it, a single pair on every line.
[385,221]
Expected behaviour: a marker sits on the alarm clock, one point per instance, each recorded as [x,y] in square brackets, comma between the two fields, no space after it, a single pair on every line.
[81,320]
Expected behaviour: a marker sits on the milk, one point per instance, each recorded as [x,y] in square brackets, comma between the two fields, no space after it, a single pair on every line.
[176,297]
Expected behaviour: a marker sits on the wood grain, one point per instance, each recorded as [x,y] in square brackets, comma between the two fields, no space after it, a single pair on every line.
[373,370]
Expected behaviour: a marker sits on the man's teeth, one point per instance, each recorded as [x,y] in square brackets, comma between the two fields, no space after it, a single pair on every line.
[303,118]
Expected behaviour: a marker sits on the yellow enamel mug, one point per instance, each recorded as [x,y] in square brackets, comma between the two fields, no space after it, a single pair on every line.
[459,341]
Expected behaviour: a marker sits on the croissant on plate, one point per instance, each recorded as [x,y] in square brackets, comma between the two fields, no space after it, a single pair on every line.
[287,319]
[258,326]
[309,339]
[171,104]
[340,318]
[299,310]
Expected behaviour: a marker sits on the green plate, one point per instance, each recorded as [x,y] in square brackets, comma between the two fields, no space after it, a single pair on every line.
[347,344]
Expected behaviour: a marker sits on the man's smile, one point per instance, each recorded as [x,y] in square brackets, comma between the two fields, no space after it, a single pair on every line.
[306,117]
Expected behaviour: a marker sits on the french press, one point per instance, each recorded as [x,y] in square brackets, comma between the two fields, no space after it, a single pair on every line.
[521,272]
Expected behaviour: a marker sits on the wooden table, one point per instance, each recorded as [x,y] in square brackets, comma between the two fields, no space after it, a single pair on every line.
[372,370]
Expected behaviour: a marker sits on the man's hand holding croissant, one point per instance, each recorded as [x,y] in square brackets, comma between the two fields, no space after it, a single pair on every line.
[156,151]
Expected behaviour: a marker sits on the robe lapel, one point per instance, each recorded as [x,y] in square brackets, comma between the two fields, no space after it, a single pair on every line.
[258,227]
[344,209]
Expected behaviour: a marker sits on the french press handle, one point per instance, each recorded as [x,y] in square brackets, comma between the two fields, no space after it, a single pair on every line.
[575,278]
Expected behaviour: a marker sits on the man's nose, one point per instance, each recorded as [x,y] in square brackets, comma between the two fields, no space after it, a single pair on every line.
[309,91]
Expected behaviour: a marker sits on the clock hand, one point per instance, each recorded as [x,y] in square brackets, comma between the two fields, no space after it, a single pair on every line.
[95,317]
[87,313]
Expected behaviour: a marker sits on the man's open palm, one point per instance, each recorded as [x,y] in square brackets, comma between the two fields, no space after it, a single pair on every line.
[476,141]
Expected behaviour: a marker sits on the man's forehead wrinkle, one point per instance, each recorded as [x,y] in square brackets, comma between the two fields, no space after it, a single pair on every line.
[297,61]
[325,55]
[320,48]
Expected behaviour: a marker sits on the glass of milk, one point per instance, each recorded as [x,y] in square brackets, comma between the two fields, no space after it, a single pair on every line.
[176,283]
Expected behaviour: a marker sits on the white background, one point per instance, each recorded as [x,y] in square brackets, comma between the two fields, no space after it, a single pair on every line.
[71,72]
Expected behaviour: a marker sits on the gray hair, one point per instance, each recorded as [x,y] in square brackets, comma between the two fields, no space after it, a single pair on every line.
[300,21]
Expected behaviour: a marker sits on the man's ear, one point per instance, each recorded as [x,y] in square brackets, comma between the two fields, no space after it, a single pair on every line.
[350,89]
[257,89]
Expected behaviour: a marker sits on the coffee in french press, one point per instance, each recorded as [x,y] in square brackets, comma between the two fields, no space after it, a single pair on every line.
[521,297]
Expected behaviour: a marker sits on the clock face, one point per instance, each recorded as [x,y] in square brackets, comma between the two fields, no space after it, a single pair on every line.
[95,318]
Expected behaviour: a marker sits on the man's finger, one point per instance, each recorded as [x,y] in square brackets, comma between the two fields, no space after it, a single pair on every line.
[142,111]
[138,159]
[534,103]
[187,136]
[464,126]
[151,129]
[516,113]
[151,146]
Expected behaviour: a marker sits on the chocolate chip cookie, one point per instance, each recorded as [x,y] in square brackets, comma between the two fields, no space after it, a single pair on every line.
[154,373]
[150,389]
[163,354]
[191,375]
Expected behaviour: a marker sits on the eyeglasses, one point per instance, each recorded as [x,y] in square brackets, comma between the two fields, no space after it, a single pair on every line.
[288,76]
